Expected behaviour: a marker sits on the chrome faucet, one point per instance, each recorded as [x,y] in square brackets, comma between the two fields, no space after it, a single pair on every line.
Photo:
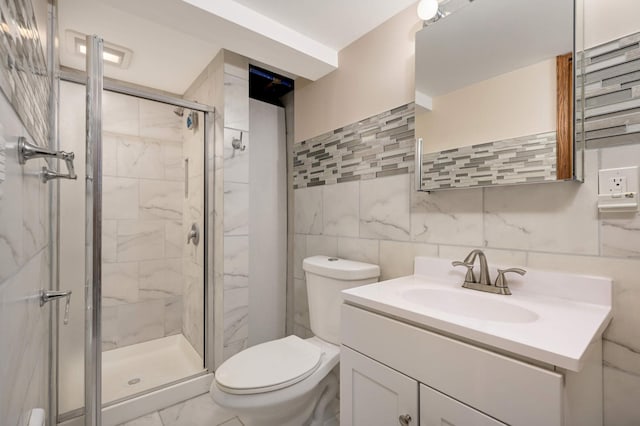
[484,282]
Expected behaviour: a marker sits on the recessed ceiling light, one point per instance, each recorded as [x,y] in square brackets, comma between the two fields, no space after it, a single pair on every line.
[111,53]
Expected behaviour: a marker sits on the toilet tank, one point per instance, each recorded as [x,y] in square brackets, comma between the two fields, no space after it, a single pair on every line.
[326,278]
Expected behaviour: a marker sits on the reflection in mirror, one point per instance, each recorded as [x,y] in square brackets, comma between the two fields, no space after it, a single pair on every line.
[494,81]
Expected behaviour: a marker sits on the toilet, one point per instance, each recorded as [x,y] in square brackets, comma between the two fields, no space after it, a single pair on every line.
[291,381]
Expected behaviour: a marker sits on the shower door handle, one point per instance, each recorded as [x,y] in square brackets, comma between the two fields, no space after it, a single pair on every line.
[49,295]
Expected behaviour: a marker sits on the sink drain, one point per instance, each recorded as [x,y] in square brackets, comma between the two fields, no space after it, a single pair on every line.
[134,381]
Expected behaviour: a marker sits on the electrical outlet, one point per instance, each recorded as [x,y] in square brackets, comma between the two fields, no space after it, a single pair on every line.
[617,184]
[618,189]
[618,181]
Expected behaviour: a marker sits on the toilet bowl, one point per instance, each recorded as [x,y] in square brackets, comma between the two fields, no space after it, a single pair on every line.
[292,381]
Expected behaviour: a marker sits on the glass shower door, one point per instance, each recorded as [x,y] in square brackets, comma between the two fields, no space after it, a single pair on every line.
[154,169]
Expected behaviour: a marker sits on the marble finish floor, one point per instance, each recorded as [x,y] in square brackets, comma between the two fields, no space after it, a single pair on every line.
[203,411]
[199,411]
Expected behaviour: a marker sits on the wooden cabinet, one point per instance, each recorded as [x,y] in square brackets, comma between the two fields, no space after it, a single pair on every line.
[373,394]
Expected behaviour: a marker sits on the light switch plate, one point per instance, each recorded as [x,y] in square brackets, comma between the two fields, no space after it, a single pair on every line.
[618,189]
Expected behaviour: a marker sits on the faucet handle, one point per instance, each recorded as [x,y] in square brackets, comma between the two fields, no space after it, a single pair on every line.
[470,277]
[501,281]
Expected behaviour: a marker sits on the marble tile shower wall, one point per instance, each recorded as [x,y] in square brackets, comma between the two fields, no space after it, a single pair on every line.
[24,272]
[236,209]
[225,84]
[23,69]
[143,189]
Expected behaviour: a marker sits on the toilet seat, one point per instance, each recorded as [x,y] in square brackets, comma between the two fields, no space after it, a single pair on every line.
[269,366]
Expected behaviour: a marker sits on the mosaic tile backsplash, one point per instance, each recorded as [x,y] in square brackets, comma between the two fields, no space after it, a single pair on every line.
[23,69]
[524,159]
[612,92]
[382,145]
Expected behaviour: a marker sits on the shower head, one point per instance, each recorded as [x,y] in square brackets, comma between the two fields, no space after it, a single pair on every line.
[179,111]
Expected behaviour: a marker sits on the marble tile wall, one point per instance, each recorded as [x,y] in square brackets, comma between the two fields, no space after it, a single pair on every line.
[24,273]
[236,207]
[547,226]
[225,84]
[143,193]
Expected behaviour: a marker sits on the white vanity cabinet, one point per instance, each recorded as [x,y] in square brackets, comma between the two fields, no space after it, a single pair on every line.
[390,368]
[437,409]
[374,394]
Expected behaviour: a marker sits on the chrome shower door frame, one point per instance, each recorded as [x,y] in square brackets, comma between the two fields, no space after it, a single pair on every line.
[93,236]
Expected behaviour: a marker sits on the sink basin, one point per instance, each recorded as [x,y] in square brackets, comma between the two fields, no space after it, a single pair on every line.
[468,305]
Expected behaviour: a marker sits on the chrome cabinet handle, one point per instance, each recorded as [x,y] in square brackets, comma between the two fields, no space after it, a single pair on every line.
[404,419]
[49,295]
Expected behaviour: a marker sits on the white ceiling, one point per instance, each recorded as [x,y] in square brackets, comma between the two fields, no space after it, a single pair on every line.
[173,40]
[163,58]
[334,23]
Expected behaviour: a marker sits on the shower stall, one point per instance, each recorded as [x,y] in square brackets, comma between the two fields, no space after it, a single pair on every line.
[146,329]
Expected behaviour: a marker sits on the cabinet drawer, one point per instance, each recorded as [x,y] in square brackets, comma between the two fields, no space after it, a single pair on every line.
[504,388]
[437,409]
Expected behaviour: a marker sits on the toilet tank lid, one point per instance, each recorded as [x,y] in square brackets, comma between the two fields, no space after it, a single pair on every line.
[341,269]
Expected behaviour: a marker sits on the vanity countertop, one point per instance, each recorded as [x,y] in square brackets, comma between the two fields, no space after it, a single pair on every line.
[551,317]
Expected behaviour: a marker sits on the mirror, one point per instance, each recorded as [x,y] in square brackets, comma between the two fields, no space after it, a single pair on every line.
[494,94]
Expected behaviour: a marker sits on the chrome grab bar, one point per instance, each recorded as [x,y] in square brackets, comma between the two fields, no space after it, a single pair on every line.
[28,151]
[49,295]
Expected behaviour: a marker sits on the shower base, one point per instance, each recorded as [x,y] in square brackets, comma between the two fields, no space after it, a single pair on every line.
[144,367]
[137,368]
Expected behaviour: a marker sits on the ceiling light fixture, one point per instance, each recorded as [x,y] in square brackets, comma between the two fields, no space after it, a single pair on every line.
[114,58]
[428,9]
[111,53]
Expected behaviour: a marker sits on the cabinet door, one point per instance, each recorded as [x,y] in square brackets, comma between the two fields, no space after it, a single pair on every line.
[437,409]
[372,394]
